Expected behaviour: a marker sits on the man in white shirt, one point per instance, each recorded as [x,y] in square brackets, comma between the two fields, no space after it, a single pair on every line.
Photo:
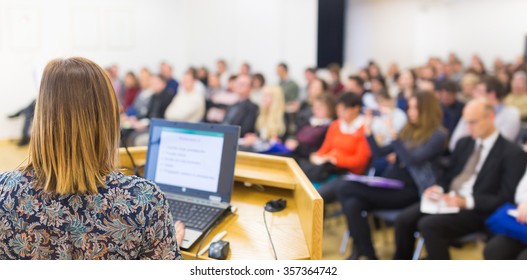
[507,119]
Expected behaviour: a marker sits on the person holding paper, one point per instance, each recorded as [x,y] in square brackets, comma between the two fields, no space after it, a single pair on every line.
[502,247]
[416,147]
[484,171]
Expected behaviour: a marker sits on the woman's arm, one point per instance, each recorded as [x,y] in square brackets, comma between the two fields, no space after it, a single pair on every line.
[422,153]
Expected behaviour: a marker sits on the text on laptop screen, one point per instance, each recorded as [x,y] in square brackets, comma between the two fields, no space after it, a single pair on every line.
[190,158]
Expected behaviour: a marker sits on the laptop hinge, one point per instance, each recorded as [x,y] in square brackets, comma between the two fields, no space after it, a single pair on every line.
[212,201]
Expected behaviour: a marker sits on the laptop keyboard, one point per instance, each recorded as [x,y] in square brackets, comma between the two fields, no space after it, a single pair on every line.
[194,216]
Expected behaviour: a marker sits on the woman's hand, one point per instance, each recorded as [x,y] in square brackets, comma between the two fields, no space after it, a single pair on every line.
[317,160]
[249,139]
[391,158]
[434,193]
[180,232]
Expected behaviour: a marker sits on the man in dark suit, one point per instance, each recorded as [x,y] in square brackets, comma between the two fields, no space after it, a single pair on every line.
[484,172]
[244,112]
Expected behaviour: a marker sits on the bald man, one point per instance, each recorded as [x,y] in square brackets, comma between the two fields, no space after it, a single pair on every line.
[483,174]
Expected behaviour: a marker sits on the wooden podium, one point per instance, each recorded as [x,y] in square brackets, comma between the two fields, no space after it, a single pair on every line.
[296,231]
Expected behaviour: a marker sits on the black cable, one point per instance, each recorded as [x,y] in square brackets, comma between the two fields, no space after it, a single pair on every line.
[269,234]
[135,167]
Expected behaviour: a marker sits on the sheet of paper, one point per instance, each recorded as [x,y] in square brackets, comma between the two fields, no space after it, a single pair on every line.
[429,206]
[513,212]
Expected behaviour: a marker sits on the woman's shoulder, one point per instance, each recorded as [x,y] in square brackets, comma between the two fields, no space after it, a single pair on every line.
[14,176]
[440,134]
[132,184]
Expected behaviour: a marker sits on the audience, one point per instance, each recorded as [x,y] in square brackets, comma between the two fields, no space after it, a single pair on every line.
[132,90]
[344,149]
[416,149]
[311,135]
[335,86]
[117,83]
[258,82]
[483,173]
[400,139]
[407,86]
[221,69]
[507,118]
[355,85]
[244,112]
[165,71]
[447,91]
[270,126]
[518,96]
[189,103]
[317,88]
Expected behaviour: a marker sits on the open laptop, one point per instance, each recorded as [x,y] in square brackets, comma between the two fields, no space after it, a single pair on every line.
[193,164]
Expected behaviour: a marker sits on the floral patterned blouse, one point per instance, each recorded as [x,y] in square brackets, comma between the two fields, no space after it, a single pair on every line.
[128,219]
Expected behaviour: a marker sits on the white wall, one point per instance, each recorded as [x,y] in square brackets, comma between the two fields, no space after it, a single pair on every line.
[136,33]
[409,31]
[261,32]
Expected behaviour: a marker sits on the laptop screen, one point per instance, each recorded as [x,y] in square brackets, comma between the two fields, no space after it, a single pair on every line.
[192,159]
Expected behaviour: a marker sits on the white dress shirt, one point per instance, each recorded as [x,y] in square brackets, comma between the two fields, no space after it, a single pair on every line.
[351,128]
[521,190]
[467,189]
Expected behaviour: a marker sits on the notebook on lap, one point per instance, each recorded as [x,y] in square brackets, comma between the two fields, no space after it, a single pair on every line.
[193,164]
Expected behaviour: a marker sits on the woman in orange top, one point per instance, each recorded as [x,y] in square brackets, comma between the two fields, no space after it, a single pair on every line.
[345,148]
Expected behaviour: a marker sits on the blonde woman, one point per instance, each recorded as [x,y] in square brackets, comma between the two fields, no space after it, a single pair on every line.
[70,201]
[270,122]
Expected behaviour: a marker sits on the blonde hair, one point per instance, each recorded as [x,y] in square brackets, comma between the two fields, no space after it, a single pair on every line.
[75,134]
[272,119]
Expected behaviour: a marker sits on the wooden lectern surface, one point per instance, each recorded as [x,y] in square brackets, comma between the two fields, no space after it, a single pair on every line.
[296,231]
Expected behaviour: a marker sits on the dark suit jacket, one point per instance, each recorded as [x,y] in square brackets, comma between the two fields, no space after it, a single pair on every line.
[244,114]
[498,178]
[158,104]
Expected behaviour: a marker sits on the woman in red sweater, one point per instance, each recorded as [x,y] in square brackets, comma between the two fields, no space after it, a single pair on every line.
[345,148]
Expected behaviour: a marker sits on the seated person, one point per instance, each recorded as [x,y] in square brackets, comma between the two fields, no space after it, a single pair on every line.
[447,91]
[418,145]
[345,149]
[386,117]
[71,198]
[131,90]
[140,105]
[189,103]
[157,106]
[258,83]
[356,85]
[244,112]
[518,96]
[219,102]
[502,247]
[507,119]
[407,86]
[310,137]
[483,173]
[316,88]
[270,124]
[27,112]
